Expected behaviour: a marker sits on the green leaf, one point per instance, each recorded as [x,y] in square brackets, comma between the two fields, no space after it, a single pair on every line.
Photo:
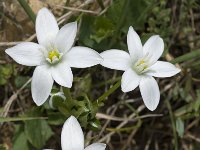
[38,132]
[180,127]
[20,141]
[95,124]
[187,56]
[21,80]
[5,73]
[56,118]
[103,28]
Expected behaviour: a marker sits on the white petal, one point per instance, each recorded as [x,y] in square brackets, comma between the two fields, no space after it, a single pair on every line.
[150,92]
[130,80]
[46,27]
[82,57]
[72,135]
[116,59]
[134,44]
[62,74]
[154,47]
[96,146]
[66,36]
[26,53]
[41,85]
[163,69]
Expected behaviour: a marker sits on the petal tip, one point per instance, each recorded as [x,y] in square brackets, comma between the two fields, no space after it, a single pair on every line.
[44,9]
[152,107]
[71,118]
[131,28]
[37,101]
[7,51]
[124,89]
[178,70]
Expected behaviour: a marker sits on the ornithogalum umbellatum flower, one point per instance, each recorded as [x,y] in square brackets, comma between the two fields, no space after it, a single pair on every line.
[140,64]
[54,55]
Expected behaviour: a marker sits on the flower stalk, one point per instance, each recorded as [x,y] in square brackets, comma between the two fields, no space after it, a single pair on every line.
[28,10]
[109,92]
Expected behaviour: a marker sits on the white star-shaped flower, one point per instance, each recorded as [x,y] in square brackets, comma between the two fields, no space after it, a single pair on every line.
[53,56]
[140,64]
[72,137]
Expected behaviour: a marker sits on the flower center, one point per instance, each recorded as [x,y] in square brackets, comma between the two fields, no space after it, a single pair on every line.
[140,66]
[54,56]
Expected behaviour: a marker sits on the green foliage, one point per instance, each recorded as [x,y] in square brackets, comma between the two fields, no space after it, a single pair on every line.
[180,127]
[5,73]
[21,80]
[32,132]
[81,107]
[38,132]
[20,137]
[2,147]
[103,28]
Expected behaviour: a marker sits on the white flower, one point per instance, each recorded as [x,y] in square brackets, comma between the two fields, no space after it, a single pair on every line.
[53,56]
[140,64]
[72,137]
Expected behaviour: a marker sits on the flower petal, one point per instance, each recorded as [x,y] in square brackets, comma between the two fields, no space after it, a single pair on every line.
[130,80]
[62,74]
[150,92]
[46,27]
[72,135]
[154,48]
[163,69]
[82,57]
[134,44]
[26,53]
[116,59]
[96,146]
[66,36]
[41,85]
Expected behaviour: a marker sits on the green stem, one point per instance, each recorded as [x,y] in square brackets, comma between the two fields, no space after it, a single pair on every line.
[173,124]
[28,10]
[188,56]
[110,91]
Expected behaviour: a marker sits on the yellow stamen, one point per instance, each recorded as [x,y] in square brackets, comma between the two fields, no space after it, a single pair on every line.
[52,54]
[141,62]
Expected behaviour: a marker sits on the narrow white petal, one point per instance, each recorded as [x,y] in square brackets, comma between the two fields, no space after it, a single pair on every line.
[150,92]
[46,27]
[96,146]
[72,135]
[62,74]
[130,80]
[116,59]
[82,57]
[163,69]
[26,53]
[66,36]
[154,47]
[134,44]
[41,85]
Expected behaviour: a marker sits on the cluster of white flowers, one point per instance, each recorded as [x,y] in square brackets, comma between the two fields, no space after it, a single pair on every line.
[55,55]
